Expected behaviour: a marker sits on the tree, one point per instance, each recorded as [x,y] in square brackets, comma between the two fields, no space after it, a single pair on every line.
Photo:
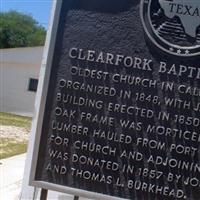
[20,30]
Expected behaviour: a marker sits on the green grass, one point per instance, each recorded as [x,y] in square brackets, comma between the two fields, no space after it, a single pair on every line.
[11,147]
[15,120]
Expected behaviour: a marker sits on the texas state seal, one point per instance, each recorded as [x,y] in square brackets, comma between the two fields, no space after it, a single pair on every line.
[173,25]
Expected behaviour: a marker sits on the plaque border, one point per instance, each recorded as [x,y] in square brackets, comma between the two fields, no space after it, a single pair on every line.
[41,97]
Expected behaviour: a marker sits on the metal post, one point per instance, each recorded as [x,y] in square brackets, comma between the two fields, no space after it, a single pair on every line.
[76,198]
[43,195]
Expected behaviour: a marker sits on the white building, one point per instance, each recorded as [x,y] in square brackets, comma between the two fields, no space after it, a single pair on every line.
[19,72]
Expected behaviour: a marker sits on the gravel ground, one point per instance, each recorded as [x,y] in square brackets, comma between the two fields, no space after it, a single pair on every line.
[15,133]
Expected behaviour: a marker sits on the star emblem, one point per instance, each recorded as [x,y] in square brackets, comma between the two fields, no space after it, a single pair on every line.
[171,49]
[187,52]
[178,51]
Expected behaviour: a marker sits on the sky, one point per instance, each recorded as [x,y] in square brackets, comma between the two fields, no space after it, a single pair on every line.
[38,9]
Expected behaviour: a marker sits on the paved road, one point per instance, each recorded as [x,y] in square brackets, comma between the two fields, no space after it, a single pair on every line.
[11,173]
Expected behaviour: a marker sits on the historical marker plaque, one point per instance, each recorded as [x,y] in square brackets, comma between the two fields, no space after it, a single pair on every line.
[120,109]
